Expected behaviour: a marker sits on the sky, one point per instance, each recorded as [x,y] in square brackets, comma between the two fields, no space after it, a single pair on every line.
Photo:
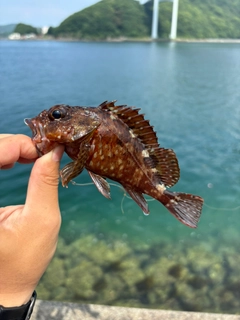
[39,13]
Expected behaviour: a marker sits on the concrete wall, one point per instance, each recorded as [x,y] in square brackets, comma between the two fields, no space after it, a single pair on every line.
[46,310]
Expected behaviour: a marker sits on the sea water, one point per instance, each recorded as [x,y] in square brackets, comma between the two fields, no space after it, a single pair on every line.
[190,93]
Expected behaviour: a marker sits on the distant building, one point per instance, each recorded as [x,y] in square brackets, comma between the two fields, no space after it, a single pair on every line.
[14,36]
[29,36]
[18,36]
[44,30]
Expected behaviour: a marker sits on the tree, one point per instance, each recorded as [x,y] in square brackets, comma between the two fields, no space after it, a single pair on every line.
[25,29]
[107,18]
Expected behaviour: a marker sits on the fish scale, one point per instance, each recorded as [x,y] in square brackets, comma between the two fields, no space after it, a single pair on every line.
[118,143]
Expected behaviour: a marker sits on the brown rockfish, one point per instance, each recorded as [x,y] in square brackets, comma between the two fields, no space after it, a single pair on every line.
[115,142]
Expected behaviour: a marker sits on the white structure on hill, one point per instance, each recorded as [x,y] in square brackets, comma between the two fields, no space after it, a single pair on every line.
[173,33]
[44,30]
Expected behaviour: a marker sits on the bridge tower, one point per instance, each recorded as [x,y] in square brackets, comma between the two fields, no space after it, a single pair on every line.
[173,33]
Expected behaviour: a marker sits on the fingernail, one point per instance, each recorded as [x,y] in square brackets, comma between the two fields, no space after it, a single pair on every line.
[57,153]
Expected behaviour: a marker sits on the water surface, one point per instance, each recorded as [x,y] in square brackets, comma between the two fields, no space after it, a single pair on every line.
[190,93]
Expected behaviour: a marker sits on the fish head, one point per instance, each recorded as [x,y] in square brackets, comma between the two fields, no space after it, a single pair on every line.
[61,124]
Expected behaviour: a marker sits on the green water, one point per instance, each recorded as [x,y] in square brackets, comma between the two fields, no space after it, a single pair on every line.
[190,93]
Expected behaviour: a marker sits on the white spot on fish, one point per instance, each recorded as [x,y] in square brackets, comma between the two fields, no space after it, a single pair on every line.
[145,153]
[119,161]
[102,157]
[113,117]
[132,134]
[173,201]
[160,187]
[95,155]
[112,167]
[154,170]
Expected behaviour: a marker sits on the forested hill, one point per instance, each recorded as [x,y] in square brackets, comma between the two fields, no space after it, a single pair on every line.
[127,18]
[107,18]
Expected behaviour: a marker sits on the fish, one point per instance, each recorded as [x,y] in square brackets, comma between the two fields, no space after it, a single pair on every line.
[115,142]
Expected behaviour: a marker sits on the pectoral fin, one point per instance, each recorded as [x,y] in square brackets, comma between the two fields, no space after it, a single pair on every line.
[101,184]
[70,171]
[73,169]
[139,199]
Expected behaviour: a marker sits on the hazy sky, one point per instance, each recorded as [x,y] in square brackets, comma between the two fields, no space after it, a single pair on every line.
[39,13]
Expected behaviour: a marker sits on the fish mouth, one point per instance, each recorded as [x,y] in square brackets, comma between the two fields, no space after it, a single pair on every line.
[38,135]
[32,126]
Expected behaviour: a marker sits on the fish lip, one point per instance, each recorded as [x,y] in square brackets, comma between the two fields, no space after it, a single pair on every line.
[38,134]
[30,124]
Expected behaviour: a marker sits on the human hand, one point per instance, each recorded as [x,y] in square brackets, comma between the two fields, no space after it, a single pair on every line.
[28,233]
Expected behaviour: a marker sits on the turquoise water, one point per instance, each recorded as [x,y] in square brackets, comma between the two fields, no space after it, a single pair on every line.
[190,93]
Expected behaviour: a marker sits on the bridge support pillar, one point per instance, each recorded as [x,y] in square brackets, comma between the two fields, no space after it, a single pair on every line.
[155,20]
[173,33]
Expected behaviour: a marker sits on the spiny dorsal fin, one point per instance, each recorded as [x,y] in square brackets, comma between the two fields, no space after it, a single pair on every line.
[135,121]
[163,160]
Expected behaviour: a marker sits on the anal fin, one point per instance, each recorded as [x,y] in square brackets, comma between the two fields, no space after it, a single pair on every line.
[139,199]
[101,184]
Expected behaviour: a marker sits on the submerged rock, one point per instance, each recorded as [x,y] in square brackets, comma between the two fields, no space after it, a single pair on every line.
[180,277]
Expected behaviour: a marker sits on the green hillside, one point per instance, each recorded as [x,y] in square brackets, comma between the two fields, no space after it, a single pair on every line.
[127,18]
[107,18]
[209,19]
[25,29]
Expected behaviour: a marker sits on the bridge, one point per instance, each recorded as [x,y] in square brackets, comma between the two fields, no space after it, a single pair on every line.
[173,33]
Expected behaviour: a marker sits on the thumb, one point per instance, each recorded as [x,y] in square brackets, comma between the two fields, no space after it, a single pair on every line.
[43,183]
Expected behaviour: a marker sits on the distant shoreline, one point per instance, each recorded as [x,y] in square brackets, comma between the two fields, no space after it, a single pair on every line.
[209,40]
[124,39]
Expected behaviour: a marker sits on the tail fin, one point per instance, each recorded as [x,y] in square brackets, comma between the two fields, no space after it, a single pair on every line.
[185,207]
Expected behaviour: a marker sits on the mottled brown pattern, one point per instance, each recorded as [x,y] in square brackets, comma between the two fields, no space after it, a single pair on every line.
[115,142]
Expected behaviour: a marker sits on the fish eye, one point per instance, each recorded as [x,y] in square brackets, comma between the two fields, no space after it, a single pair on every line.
[57,114]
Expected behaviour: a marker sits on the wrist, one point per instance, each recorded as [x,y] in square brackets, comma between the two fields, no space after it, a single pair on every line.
[9,300]
[22,312]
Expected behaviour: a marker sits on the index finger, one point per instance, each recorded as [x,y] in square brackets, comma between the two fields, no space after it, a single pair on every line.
[15,148]
[5,135]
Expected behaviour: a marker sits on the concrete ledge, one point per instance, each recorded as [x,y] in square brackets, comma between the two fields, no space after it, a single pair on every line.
[46,310]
